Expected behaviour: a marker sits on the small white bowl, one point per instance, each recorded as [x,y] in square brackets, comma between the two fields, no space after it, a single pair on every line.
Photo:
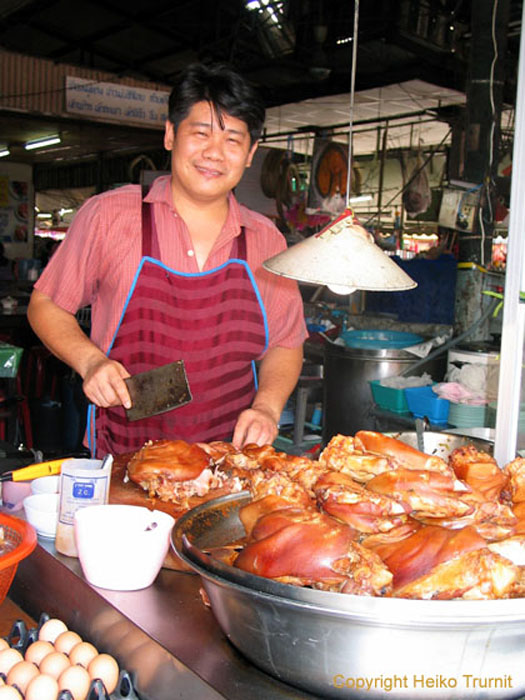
[46,484]
[42,513]
[122,547]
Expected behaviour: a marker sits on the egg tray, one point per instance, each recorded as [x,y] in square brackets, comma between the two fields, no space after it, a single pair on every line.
[20,637]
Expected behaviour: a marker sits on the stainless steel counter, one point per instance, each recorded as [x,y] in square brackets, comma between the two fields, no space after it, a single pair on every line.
[163,635]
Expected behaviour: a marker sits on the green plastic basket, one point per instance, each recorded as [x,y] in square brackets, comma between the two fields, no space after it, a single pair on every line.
[10,357]
[388,398]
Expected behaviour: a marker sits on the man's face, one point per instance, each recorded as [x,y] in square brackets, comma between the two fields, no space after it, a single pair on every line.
[207,159]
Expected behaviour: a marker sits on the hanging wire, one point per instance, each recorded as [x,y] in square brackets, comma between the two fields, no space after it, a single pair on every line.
[352,93]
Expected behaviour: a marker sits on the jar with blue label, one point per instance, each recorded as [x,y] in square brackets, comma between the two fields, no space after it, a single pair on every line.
[83,482]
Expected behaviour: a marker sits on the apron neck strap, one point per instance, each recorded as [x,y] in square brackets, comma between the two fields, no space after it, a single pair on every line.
[239,245]
[150,243]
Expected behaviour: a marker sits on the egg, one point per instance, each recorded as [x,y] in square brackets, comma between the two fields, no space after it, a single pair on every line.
[42,687]
[53,664]
[7,692]
[8,658]
[106,668]
[83,654]
[4,644]
[36,651]
[21,674]
[66,641]
[77,680]
[51,629]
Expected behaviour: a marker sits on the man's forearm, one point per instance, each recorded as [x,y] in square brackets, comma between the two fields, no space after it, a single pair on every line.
[278,374]
[61,334]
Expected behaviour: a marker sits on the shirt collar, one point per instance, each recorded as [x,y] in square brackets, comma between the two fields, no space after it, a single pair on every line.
[160,191]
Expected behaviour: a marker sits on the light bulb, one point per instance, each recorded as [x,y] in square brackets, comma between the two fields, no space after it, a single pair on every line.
[340,289]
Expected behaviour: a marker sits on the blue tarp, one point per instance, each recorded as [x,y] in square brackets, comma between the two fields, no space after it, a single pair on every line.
[432,301]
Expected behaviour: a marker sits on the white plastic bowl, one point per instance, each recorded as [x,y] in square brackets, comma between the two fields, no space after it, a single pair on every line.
[42,513]
[46,484]
[122,547]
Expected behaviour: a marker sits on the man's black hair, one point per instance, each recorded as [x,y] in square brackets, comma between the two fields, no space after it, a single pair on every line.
[225,90]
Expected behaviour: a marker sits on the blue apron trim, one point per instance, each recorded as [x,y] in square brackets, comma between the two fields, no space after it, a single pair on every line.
[193,275]
[91,434]
[92,442]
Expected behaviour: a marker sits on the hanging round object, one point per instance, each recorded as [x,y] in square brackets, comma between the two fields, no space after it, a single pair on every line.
[331,172]
[271,172]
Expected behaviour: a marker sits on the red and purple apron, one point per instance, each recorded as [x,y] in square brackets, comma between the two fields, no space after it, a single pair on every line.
[214,320]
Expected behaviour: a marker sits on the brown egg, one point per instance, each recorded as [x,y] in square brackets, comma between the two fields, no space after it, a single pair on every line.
[51,629]
[7,692]
[83,654]
[8,658]
[53,664]
[106,668]
[42,687]
[75,679]
[66,641]
[36,651]
[21,674]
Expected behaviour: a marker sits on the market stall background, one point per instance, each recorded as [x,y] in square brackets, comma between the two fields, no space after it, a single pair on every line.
[434,112]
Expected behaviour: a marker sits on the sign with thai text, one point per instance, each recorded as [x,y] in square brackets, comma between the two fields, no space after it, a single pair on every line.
[116,102]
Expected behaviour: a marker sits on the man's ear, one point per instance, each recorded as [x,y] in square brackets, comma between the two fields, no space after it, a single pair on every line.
[169,135]
[251,154]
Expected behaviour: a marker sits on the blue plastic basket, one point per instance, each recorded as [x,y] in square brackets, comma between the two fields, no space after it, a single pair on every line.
[425,403]
[367,339]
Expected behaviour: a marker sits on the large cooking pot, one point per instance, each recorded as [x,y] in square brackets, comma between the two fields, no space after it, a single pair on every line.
[347,401]
[338,645]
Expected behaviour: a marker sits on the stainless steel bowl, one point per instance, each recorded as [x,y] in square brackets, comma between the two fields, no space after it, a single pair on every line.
[339,645]
[442,444]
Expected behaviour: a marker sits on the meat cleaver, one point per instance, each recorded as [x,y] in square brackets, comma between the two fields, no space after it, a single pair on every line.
[158,390]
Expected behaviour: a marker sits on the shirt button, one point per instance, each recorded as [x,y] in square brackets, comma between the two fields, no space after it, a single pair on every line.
[191,253]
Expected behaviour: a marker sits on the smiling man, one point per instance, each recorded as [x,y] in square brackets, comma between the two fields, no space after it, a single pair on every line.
[176,274]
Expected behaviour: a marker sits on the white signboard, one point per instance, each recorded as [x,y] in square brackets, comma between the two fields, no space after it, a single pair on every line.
[115,102]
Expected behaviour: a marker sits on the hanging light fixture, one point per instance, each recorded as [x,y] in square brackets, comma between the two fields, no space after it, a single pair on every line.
[4,151]
[343,256]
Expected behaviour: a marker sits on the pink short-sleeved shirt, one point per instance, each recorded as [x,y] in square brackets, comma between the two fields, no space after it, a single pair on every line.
[96,262]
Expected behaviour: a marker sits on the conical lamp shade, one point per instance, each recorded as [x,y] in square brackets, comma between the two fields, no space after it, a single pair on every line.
[342,255]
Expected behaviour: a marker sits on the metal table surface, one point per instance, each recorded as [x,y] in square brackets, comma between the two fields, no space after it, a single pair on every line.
[164,635]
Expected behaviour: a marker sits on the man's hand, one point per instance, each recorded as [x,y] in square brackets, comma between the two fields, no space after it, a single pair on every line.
[256,425]
[104,384]
[278,374]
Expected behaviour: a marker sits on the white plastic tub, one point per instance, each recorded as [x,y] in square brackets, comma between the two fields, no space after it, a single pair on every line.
[122,547]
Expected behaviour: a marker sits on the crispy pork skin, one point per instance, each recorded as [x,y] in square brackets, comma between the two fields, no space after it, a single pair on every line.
[415,556]
[477,575]
[479,470]
[173,470]
[307,548]
[403,455]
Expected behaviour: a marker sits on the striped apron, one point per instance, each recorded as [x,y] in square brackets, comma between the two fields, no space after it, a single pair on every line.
[214,320]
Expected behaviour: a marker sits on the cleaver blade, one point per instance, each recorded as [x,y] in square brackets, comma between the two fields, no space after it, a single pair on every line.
[158,390]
